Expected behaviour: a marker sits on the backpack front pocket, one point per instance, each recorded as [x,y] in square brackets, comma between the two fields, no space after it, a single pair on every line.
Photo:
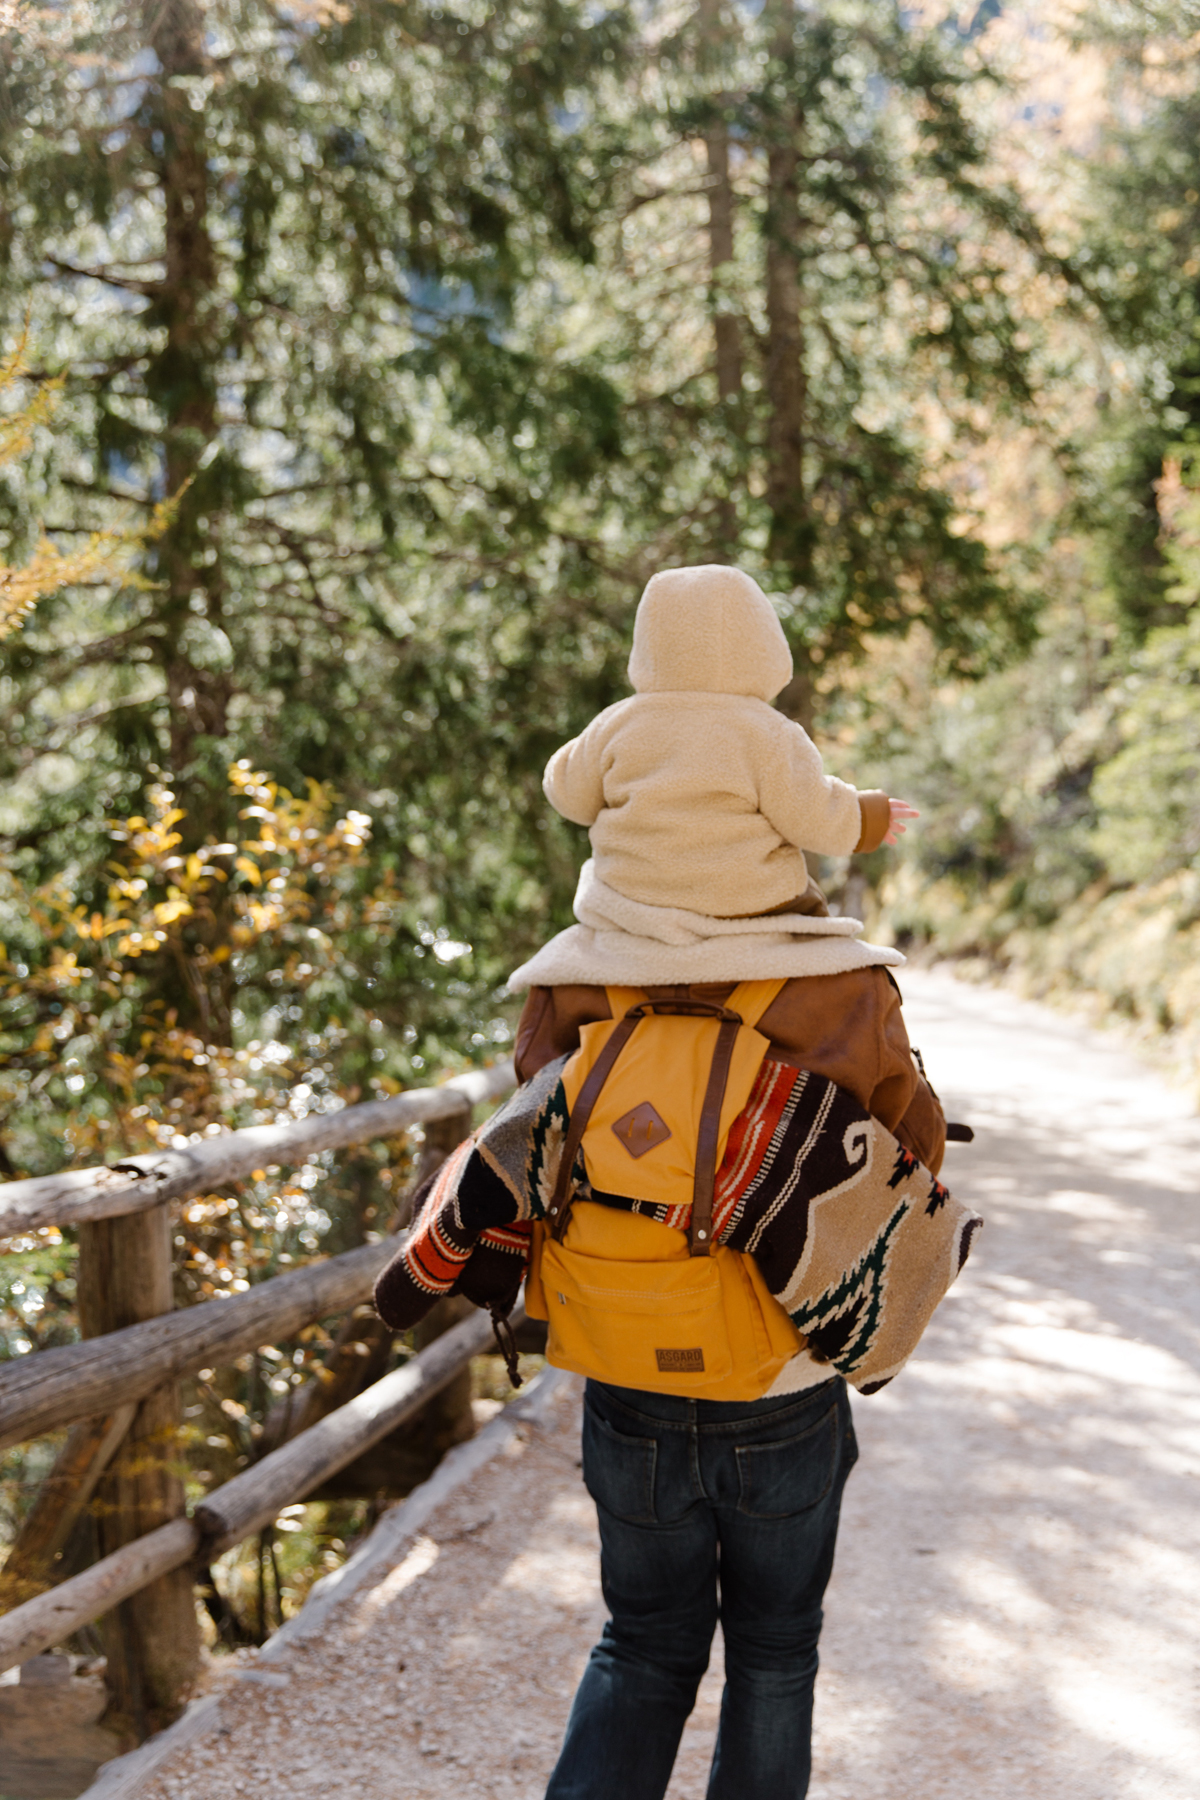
[658,1326]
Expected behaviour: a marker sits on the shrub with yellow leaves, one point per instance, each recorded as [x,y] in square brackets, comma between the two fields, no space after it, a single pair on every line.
[233,934]
[200,991]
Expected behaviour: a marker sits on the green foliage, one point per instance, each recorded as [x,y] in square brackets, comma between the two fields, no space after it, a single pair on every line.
[279,259]
[1147,795]
[1074,771]
[37,1294]
[913,260]
[268,941]
[406,296]
[1143,254]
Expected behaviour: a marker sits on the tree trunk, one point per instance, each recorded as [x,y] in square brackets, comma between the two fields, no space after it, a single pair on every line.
[727,335]
[790,540]
[152,1640]
[181,379]
[726,327]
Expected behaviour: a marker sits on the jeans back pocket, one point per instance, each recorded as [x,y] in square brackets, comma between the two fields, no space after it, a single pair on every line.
[618,1471]
[790,1475]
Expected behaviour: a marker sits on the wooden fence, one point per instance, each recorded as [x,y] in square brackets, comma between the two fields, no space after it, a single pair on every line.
[118,1389]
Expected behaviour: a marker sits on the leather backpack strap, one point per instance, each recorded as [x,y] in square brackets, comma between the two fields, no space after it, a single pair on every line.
[562,1199]
[708,1137]
[708,1140]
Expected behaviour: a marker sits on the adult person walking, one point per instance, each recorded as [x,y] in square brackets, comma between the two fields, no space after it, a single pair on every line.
[710,1508]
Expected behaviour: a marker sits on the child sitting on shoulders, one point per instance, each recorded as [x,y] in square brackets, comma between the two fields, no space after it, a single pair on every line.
[696,792]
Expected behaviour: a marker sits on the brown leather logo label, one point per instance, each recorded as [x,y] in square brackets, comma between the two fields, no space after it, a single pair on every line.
[641,1129]
[680,1362]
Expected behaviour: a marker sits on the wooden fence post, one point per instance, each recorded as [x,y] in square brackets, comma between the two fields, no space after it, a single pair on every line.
[152,1640]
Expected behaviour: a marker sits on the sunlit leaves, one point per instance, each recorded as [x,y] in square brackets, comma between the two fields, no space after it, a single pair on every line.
[101,556]
[83,993]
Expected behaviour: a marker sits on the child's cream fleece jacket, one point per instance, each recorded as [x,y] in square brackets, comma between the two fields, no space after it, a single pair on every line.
[695,791]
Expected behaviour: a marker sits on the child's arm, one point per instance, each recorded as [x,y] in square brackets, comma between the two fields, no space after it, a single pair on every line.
[816,811]
[573,782]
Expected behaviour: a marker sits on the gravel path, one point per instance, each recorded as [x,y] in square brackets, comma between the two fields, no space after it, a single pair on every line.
[1016,1607]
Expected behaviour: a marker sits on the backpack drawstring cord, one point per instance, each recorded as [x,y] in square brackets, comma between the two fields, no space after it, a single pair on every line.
[506,1343]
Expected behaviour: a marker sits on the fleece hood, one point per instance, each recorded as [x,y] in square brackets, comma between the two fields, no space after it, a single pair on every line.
[709,630]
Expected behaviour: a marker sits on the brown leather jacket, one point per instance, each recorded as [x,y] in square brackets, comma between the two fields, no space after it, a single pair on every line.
[847,1027]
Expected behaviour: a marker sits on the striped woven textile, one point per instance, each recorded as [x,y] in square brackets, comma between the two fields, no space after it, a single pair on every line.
[854,1237]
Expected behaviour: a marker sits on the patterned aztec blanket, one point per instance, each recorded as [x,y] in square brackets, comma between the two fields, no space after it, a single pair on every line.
[854,1237]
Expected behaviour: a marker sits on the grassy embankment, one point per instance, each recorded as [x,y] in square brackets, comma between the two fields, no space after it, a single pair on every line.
[1127,957]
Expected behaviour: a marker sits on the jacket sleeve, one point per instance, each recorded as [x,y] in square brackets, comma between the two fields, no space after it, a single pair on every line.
[903,1100]
[876,811]
[550,1023]
[807,807]
[573,782]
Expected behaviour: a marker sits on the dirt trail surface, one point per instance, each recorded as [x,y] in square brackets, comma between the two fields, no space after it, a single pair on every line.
[1016,1606]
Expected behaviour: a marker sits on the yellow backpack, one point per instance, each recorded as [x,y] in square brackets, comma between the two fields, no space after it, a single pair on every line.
[652,1094]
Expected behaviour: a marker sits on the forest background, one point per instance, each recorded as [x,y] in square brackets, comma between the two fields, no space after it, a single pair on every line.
[363,362]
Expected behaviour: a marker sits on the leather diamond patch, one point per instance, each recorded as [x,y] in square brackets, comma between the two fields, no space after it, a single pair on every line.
[641,1129]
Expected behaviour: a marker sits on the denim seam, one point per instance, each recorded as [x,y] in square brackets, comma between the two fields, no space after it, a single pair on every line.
[695,1428]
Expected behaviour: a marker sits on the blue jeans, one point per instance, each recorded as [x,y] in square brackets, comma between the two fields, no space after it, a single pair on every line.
[696,1498]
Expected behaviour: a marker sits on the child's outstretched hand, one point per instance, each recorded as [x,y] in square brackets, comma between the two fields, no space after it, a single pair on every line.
[900,811]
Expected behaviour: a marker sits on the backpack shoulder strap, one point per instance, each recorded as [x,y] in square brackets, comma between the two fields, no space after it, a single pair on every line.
[560,1201]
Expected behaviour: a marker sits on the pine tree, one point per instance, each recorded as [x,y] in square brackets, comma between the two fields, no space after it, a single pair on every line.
[862,279]
[278,258]
[1144,252]
[448,326]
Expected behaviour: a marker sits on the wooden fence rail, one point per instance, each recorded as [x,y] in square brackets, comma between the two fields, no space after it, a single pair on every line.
[248,1502]
[55,1387]
[254,1498]
[120,1383]
[146,1181]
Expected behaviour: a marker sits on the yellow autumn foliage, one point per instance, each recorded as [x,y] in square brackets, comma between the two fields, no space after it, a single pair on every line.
[272,913]
[103,554]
